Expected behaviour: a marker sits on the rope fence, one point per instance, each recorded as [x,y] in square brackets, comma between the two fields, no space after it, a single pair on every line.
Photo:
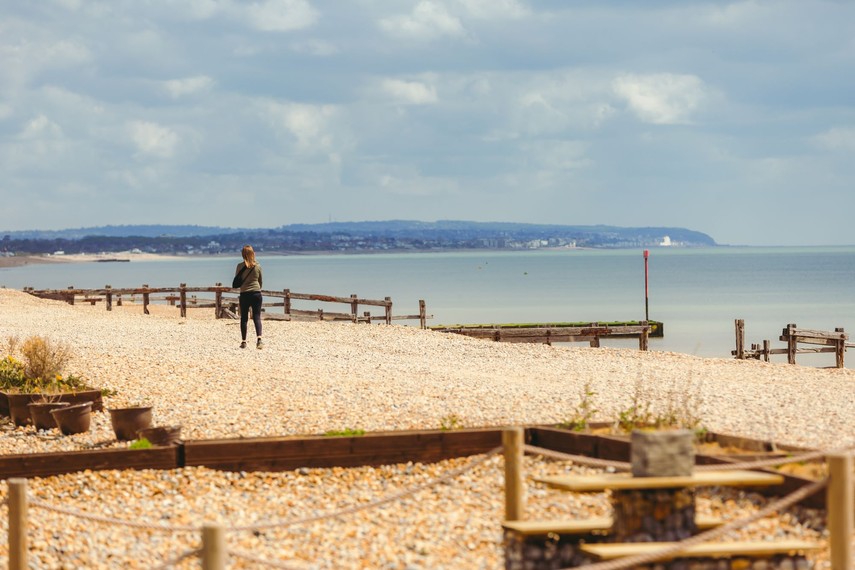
[213,551]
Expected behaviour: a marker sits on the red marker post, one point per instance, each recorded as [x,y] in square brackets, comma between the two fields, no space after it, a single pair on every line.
[646,286]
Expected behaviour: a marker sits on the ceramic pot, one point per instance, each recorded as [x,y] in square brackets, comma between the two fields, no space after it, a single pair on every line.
[128,421]
[161,435]
[74,418]
[40,413]
[19,410]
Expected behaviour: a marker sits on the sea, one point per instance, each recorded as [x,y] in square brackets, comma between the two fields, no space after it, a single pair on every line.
[697,293]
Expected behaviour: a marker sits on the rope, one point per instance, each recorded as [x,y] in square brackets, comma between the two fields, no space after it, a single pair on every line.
[773,462]
[263,563]
[708,536]
[580,459]
[356,508]
[180,558]
[625,466]
[111,520]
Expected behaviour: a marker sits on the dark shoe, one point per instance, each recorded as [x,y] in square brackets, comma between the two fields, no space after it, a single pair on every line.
[243,344]
[259,344]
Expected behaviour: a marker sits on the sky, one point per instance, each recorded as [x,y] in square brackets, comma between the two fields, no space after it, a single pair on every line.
[736,119]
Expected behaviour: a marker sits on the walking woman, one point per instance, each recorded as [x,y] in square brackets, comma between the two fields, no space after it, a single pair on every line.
[248,274]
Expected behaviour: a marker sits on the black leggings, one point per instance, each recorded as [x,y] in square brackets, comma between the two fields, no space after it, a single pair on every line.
[247,300]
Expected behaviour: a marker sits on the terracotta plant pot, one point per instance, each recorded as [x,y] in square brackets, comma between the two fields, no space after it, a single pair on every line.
[74,418]
[40,413]
[127,421]
[19,410]
[161,435]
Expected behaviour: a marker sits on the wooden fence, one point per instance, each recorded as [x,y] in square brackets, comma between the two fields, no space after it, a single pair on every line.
[821,341]
[225,302]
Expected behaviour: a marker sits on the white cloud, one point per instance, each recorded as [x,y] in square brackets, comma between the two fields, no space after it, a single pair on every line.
[662,98]
[410,92]
[179,87]
[309,124]
[153,139]
[280,15]
[315,47]
[495,9]
[41,128]
[837,138]
[427,21]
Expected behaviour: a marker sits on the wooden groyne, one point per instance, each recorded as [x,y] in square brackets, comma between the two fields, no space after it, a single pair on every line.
[559,332]
[224,301]
[835,341]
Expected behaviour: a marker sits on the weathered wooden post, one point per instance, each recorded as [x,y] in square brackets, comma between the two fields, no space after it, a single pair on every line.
[320,314]
[109,295]
[740,339]
[767,348]
[287,301]
[839,500]
[840,346]
[513,441]
[145,299]
[18,506]
[213,547]
[354,306]
[790,331]
[182,292]
[644,338]
[218,302]
[422,314]
[118,300]
[70,296]
[367,315]
[388,310]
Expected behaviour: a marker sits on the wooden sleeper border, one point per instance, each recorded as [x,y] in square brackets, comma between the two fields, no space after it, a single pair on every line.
[371,449]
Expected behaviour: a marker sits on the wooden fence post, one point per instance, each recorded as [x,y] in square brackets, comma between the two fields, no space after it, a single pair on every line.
[839,500]
[740,339]
[513,440]
[644,337]
[145,299]
[182,292]
[70,297]
[218,302]
[422,314]
[766,350]
[109,297]
[840,347]
[367,316]
[791,343]
[18,524]
[287,301]
[388,310]
[354,307]
[213,548]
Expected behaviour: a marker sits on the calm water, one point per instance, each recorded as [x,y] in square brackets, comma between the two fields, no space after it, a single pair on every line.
[697,293]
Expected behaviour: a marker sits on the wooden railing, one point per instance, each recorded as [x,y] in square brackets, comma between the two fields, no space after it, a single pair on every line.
[225,302]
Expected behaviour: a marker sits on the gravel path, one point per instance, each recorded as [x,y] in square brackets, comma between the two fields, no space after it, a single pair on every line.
[313,377]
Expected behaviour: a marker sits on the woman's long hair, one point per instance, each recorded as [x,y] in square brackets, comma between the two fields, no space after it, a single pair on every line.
[248,256]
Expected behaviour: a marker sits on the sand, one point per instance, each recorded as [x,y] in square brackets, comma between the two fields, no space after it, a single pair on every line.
[313,377]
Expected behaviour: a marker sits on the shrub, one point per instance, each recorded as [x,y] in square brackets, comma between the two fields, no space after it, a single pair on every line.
[450,422]
[36,366]
[581,418]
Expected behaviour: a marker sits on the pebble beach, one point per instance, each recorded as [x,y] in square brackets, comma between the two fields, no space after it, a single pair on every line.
[315,377]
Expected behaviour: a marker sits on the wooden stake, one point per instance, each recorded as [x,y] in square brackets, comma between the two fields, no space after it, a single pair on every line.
[18,524]
[182,290]
[740,338]
[213,548]
[388,310]
[513,442]
[840,510]
[422,314]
